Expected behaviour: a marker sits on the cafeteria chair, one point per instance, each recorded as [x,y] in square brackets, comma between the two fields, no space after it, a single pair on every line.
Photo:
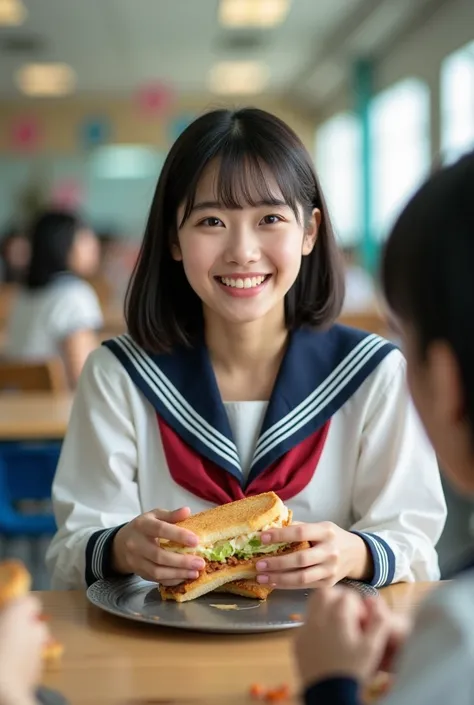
[46,376]
[26,477]
[27,470]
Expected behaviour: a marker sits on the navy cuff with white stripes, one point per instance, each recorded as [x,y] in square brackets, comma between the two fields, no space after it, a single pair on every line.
[383,559]
[99,555]
[333,691]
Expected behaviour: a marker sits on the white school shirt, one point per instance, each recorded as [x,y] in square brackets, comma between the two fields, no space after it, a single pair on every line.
[437,665]
[41,319]
[246,420]
[377,474]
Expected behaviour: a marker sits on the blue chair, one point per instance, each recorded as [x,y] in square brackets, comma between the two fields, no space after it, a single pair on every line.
[26,473]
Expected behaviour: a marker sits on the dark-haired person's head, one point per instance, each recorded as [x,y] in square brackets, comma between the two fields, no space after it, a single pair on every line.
[60,243]
[237,205]
[427,274]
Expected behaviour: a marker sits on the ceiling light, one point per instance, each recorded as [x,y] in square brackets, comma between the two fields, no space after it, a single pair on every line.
[252,13]
[12,13]
[238,77]
[46,79]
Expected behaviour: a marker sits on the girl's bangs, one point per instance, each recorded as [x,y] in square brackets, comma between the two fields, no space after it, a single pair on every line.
[245,178]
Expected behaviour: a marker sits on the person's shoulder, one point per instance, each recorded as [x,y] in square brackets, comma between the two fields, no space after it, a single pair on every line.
[387,369]
[72,286]
[358,345]
[103,370]
[453,600]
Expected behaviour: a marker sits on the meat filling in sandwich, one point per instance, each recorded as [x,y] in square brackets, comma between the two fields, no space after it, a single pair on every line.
[230,544]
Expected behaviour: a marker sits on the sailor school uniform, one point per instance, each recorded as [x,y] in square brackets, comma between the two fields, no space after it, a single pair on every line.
[338,441]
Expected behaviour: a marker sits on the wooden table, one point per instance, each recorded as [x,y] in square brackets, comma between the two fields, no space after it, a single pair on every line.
[111,661]
[35,416]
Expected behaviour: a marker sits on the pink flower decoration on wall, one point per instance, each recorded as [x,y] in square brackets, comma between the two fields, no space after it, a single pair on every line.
[155,98]
[26,134]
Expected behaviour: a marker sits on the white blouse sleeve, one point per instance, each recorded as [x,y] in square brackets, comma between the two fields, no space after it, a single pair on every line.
[95,485]
[398,501]
[77,308]
[436,665]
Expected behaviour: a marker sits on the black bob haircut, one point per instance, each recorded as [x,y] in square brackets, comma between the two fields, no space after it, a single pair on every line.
[52,236]
[428,267]
[161,308]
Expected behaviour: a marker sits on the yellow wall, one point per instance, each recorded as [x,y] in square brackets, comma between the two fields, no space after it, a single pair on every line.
[60,120]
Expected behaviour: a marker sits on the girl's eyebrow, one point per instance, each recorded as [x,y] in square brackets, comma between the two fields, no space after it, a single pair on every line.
[203,205]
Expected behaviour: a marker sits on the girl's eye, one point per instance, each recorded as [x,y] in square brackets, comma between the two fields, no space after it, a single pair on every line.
[211,222]
[271,219]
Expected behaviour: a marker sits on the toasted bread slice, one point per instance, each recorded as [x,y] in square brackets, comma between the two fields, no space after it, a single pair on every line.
[242,569]
[15,581]
[245,516]
[52,651]
[246,588]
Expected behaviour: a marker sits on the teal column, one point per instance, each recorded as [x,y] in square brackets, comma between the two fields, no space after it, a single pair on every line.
[362,87]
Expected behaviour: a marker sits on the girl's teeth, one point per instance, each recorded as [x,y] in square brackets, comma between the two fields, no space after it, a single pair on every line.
[246,283]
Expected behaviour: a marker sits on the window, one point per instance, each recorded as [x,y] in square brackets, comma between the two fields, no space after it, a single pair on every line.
[338,167]
[457,103]
[400,150]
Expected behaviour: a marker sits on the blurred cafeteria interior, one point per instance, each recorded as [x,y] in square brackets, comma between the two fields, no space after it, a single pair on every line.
[94,93]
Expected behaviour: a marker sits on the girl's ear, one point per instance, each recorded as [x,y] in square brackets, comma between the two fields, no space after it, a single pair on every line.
[311,231]
[176,252]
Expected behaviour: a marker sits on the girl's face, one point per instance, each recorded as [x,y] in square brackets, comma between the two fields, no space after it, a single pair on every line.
[436,387]
[242,262]
[84,255]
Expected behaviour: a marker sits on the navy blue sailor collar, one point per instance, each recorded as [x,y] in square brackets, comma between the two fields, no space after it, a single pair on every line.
[320,371]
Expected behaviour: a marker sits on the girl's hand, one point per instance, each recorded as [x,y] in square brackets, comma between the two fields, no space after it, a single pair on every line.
[341,637]
[136,548]
[22,638]
[334,554]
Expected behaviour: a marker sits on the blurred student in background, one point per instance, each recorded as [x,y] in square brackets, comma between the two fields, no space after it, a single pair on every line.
[57,312]
[14,256]
[22,638]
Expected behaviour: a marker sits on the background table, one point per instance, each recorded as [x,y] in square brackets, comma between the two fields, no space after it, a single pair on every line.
[113,661]
[35,416]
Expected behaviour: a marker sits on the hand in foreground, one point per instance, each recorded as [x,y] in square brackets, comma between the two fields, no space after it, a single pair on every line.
[334,554]
[22,638]
[136,548]
[344,636]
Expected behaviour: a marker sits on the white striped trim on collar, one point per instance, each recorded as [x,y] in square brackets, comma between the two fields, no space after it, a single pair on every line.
[319,398]
[176,404]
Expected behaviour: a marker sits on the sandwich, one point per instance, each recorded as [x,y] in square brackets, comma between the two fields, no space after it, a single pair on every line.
[229,543]
[246,588]
[15,582]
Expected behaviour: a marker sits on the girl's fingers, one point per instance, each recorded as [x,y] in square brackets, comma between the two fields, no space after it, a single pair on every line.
[178,560]
[156,528]
[150,571]
[150,550]
[295,533]
[299,559]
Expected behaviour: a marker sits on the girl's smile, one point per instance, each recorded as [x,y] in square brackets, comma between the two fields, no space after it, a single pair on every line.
[243,284]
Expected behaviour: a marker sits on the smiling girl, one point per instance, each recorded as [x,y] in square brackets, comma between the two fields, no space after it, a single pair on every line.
[234,380]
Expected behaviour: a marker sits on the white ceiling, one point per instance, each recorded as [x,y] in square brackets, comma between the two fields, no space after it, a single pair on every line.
[116,45]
